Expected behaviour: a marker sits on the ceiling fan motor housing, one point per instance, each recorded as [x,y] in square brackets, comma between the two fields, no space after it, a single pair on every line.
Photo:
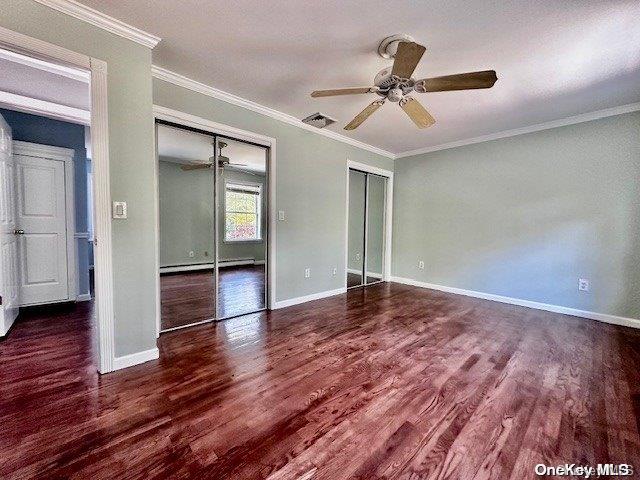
[395,95]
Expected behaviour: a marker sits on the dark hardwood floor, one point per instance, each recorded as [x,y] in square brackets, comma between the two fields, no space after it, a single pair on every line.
[188,297]
[354,279]
[390,381]
[241,289]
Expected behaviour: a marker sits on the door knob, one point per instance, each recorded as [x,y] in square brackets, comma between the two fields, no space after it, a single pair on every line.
[18,231]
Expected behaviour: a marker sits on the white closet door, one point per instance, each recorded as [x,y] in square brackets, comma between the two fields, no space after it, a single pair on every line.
[8,244]
[41,214]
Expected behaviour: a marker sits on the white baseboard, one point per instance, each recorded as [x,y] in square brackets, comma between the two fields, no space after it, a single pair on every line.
[187,268]
[601,317]
[135,358]
[309,298]
[83,297]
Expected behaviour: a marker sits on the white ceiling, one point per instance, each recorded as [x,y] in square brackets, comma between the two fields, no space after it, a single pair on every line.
[36,82]
[554,59]
[186,147]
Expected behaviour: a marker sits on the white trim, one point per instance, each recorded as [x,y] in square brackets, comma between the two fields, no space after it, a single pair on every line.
[66,156]
[44,108]
[193,85]
[602,317]
[68,72]
[135,358]
[388,220]
[103,249]
[186,119]
[156,226]
[309,298]
[101,20]
[83,297]
[187,268]
[584,117]
[29,149]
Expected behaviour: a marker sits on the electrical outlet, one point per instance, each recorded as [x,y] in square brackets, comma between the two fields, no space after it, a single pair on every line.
[583,284]
[334,272]
[192,254]
[281,215]
[307,272]
[357,256]
[421,265]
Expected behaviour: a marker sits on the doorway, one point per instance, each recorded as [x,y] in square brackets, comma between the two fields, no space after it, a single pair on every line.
[213,226]
[48,103]
[368,225]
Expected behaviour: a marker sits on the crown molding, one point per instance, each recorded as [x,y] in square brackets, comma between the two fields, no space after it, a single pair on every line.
[185,82]
[99,19]
[584,117]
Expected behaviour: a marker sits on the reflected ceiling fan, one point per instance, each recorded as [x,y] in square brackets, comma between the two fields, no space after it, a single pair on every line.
[395,83]
[222,161]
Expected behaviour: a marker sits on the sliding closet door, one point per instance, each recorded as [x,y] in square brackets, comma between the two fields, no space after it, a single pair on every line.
[375,225]
[356,225]
[186,184]
[242,207]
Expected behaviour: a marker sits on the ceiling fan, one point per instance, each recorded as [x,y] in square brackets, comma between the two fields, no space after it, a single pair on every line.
[222,161]
[396,84]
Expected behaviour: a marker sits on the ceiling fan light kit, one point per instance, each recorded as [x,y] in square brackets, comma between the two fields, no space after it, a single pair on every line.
[395,83]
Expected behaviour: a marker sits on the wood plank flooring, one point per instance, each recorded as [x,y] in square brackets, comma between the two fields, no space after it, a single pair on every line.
[390,381]
[188,297]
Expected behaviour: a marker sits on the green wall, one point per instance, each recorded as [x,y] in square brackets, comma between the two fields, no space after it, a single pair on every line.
[310,187]
[186,215]
[527,216]
[131,151]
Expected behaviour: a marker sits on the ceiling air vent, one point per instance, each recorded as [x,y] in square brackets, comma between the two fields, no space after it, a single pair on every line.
[318,120]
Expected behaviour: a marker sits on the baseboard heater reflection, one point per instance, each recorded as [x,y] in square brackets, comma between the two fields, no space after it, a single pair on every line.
[234,262]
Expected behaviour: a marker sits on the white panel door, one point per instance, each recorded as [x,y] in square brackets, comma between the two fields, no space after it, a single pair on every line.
[8,244]
[41,214]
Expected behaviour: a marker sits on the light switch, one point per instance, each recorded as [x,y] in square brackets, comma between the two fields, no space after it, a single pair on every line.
[119,210]
[281,215]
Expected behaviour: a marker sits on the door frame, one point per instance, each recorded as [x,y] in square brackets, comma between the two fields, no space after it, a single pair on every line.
[103,250]
[388,220]
[65,155]
[187,120]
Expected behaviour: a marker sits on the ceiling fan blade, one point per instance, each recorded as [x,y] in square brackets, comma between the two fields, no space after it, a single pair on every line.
[461,81]
[364,114]
[417,112]
[238,164]
[195,166]
[343,91]
[406,59]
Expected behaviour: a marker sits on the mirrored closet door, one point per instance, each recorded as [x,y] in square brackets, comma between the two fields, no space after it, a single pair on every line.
[374,249]
[186,204]
[213,226]
[366,228]
[241,227]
